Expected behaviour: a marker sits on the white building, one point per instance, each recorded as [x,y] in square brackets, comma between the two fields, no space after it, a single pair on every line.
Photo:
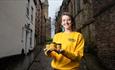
[17,27]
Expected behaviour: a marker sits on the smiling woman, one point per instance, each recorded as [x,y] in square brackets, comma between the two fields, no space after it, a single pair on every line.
[71,50]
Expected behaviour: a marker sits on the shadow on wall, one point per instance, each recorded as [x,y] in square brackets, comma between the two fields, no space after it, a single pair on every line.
[91,49]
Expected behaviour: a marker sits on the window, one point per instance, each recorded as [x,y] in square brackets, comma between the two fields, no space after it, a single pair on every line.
[31,14]
[78,5]
[28,1]
[27,9]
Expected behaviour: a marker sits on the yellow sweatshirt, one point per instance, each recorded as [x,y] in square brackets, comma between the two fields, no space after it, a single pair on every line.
[73,46]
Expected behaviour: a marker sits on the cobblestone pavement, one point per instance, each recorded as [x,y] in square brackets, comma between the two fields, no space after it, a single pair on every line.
[41,62]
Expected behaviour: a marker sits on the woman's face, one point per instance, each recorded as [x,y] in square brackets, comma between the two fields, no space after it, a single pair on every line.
[66,22]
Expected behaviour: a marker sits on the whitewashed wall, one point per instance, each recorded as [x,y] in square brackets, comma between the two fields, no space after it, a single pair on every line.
[12,20]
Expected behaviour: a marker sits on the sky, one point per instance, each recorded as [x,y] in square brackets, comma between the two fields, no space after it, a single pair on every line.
[54,6]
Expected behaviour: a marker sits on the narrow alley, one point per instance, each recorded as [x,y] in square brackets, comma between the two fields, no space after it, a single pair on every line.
[27,25]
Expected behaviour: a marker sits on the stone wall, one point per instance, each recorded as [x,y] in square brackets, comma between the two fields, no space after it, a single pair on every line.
[105,37]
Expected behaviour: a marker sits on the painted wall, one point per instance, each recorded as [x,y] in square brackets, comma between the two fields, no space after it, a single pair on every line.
[12,18]
[14,35]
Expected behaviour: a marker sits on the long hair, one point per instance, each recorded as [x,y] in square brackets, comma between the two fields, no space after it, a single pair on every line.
[71,17]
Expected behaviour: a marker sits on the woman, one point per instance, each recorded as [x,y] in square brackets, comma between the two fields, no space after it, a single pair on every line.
[72,46]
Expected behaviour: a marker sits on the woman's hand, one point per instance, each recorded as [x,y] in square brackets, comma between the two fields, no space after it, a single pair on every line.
[49,48]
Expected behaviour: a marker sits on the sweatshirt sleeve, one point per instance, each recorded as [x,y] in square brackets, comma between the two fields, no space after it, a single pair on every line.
[55,37]
[54,54]
[79,50]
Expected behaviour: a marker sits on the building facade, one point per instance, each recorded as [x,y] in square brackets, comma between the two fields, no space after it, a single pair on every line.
[38,22]
[45,33]
[42,22]
[29,27]
[17,27]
